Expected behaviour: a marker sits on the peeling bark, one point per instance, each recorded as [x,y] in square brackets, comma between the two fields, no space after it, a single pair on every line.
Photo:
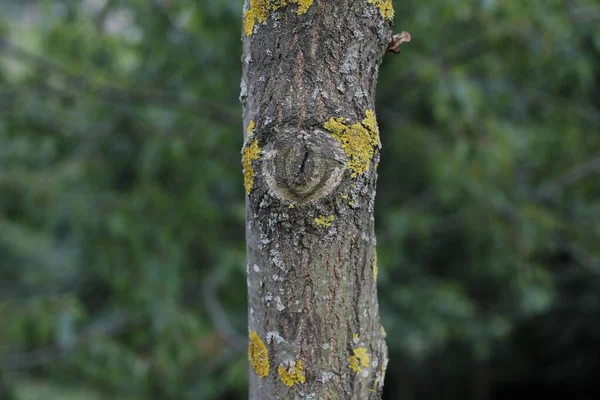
[310,158]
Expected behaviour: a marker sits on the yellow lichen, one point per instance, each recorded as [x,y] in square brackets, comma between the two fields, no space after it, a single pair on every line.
[359,141]
[258,355]
[250,128]
[325,221]
[379,376]
[386,8]
[375,268]
[291,206]
[356,338]
[359,360]
[260,10]
[292,375]
[376,383]
[383,332]
[248,22]
[251,153]
[303,5]
[371,123]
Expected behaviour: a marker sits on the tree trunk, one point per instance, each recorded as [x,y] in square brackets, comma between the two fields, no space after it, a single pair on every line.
[310,157]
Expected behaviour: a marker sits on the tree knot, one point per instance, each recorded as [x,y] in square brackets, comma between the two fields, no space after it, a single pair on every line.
[302,166]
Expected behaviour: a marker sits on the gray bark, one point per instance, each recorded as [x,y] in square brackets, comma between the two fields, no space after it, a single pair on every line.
[313,313]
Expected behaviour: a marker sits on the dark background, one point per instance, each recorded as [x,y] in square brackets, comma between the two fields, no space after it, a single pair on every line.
[122,265]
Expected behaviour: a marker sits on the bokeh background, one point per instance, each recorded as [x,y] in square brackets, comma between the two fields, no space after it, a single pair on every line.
[122,265]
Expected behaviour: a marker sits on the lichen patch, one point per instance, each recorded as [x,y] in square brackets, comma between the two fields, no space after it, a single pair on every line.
[250,153]
[359,360]
[371,123]
[250,128]
[375,267]
[258,355]
[249,22]
[379,375]
[324,222]
[292,375]
[359,141]
[260,10]
[386,8]
[303,5]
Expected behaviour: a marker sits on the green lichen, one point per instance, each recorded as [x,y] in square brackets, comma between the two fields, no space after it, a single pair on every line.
[292,375]
[258,355]
[250,153]
[359,141]
[386,8]
[359,360]
[260,10]
[324,222]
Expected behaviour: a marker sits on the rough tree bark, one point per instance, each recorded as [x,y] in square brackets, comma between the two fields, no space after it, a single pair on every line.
[310,155]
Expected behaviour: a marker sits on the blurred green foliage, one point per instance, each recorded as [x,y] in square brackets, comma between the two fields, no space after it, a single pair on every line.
[122,265]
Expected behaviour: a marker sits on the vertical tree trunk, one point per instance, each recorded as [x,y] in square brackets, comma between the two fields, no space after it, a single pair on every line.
[310,157]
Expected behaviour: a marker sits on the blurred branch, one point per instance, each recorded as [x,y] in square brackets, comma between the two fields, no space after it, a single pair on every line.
[14,289]
[462,49]
[448,55]
[114,93]
[108,326]
[101,14]
[587,259]
[475,46]
[579,253]
[420,202]
[583,14]
[217,314]
[223,359]
[570,177]
[208,372]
